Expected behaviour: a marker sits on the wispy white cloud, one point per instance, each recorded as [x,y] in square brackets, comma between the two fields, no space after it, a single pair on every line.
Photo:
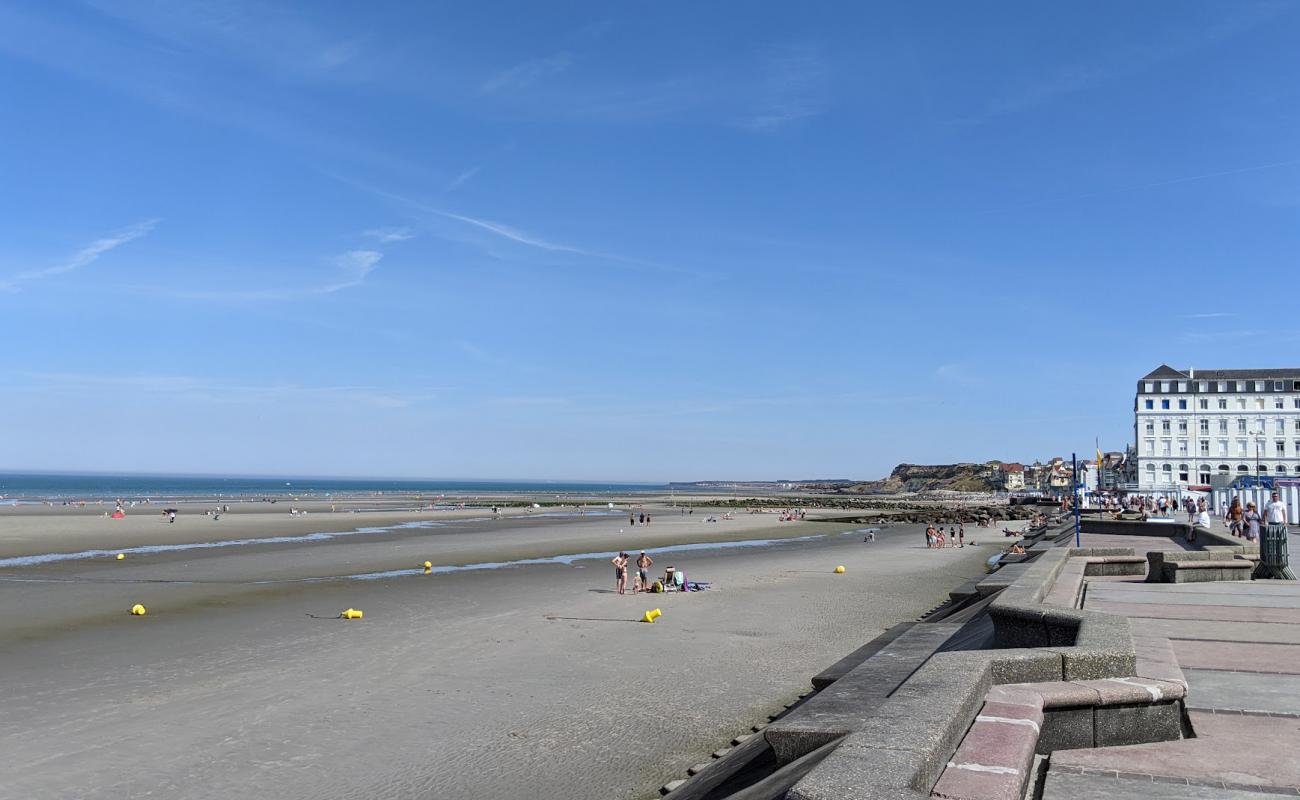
[513,234]
[83,257]
[355,266]
[389,235]
[1210,315]
[794,87]
[525,74]
[460,180]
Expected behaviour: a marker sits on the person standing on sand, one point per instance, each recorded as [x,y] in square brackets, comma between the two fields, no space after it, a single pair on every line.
[643,564]
[961,536]
[620,572]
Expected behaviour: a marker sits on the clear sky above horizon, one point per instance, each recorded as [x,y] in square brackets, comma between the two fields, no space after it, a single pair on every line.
[630,241]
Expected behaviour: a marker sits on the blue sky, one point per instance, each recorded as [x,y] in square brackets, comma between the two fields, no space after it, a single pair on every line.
[629,241]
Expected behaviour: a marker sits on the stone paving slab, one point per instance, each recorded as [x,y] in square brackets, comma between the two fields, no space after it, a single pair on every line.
[1073,786]
[1140,544]
[1245,751]
[1243,691]
[1262,587]
[1238,656]
[1193,629]
[1287,616]
[1133,594]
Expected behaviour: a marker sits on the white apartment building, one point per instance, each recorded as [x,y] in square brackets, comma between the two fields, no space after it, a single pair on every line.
[1194,425]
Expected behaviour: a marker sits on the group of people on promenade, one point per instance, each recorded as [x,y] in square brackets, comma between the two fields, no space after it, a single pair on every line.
[935,539]
[1246,522]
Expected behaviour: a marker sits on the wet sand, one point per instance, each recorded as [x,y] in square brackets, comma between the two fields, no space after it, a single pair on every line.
[530,681]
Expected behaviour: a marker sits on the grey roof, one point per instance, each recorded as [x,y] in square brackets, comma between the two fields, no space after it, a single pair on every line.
[1166,371]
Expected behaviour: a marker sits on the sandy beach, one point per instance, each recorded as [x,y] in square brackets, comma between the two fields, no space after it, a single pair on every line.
[516,681]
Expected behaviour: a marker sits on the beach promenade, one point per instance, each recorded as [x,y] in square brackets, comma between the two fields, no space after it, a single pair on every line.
[1140,665]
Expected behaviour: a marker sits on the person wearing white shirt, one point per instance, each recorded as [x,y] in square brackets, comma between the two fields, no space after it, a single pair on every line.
[1275,511]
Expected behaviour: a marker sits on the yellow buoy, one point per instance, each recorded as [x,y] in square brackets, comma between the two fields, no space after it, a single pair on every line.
[352,613]
[428,565]
[121,556]
[839,570]
[657,613]
[649,617]
[138,610]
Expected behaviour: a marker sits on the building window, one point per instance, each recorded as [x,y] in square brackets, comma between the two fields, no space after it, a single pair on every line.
[1164,404]
[1243,468]
[1164,386]
[1280,449]
[1223,386]
[1259,386]
[1277,386]
[1182,473]
[1224,469]
[1241,426]
[1204,404]
[1241,402]
[1263,469]
[1296,443]
[1203,386]
[1151,428]
[1205,426]
[1182,386]
[1281,469]
[1223,404]
[1182,405]
[1151,447]
[1259,402]
[1241,447]
[1280,426]
[1150,404]
[1164,426]
[1295,402]
[1148,387]
[1241,386]
[1205,447]
[1165,447]
[1278,402]
[1182,447]
[1223,426]
[1223,447]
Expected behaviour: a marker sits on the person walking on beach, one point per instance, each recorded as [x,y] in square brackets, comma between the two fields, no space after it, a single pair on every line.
[643,564]
[620,572]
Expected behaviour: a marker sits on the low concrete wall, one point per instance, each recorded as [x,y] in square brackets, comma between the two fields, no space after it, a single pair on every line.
[902,746]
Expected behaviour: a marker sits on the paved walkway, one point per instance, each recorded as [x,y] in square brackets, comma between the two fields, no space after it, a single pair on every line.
[1238,645]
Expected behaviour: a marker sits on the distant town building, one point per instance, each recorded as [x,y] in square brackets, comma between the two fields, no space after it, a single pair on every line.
[1202,427]
[1013,477]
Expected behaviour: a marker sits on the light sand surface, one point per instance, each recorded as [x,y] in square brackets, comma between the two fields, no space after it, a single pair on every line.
[520,682]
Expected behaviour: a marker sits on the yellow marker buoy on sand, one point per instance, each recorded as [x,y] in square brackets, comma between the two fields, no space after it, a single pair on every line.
[428,566]
[657,613]
[351,613]
[839,570]
[649,617]
[121,556]
[138,610]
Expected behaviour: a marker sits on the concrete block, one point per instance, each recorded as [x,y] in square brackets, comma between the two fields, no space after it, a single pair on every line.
[863,773]
[1066,729]
[1137,724]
